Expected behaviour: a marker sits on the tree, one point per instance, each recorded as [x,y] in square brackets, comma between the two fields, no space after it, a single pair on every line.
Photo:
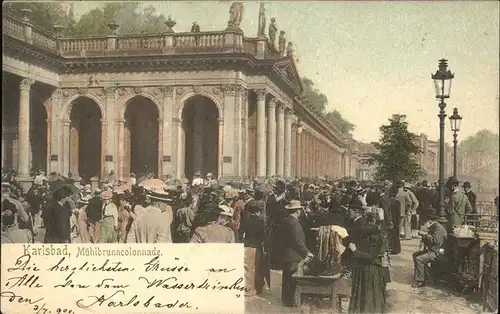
[313,95]
[43,14]
[319,100]
[128,15]
[396,156]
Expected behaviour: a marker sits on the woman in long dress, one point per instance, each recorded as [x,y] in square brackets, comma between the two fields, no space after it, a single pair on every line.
[368,294]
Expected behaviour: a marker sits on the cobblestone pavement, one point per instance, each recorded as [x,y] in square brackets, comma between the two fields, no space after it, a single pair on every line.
[402,298]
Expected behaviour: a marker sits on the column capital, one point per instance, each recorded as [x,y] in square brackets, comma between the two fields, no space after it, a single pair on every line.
[230,88]
[273,103]
[56,93]
[26,84]
[66,123]
[261,93]
[289,115]
[280,109]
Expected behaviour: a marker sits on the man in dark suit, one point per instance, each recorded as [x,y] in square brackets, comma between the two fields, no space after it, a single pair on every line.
[424,197]
[470,195]
[293,251]
[433,247]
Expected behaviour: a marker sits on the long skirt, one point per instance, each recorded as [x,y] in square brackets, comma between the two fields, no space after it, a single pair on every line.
[254,277]
[368,293]
[108,233]
[83,231]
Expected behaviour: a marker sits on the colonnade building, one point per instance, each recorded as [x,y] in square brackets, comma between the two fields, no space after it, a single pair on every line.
[171,104]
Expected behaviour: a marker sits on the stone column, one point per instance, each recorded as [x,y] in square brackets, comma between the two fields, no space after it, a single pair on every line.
[288,144]
[65,147]
[271,139]
[23,146]
[167,128]
[220,148]
[179,156]
[244,133]
[110,139]
[120,128]
[55,108]
[261,133]
[280,140]
[230,131]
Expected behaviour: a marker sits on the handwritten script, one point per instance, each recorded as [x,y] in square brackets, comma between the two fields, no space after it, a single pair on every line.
[122,278]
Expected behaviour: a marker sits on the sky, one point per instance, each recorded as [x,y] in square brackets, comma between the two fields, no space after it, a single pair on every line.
[375,59]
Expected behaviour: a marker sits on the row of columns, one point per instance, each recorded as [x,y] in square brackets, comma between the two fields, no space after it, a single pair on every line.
[274,140]
[317,158]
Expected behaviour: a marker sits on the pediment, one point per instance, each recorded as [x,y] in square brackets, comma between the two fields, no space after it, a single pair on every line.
[286,67]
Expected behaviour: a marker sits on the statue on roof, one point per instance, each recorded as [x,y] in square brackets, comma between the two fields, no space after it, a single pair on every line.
[289,49]
[262,21]
[272,32]
[282,43]
[235,15]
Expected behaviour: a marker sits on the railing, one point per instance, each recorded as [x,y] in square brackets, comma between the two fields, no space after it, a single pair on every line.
[74,46]
[489,287]
[43,40]
[135,42]
[13,27]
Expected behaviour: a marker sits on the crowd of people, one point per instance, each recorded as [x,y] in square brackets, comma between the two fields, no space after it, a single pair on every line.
[277,220]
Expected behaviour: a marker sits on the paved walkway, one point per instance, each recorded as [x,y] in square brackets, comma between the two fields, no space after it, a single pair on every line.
[402,298]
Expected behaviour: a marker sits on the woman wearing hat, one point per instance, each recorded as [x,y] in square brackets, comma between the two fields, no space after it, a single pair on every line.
[81,220]
[368,292]
[109,222]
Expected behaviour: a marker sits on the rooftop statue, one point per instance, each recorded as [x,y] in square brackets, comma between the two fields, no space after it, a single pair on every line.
[235,15]
[262,21]
[282,43]
[272,32]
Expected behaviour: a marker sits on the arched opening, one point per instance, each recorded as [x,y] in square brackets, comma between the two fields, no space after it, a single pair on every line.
[141,137]
[85,139]
[38,135]
[201,129]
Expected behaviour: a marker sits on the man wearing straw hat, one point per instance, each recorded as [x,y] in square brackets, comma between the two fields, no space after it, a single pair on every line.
[109,222]
[294,250]
[152,224]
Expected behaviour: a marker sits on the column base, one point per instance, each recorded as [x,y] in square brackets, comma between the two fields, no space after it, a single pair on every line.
[229,179]
[26,182]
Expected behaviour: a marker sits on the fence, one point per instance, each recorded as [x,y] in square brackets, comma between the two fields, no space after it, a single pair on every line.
[489,287]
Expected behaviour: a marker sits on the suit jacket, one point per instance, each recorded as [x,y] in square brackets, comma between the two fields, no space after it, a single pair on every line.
[357,229]
[472,200]
[424,197]
[151,225]
[94,209]
[293,240]
[56,219]
[386,205]
[434,239]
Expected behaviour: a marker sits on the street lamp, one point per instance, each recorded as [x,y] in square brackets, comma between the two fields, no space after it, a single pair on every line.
[455,121]
[442,82]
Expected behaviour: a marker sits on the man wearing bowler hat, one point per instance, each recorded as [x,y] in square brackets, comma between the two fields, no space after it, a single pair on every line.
[294,250]
[459,205]
[433,241]
[470,195]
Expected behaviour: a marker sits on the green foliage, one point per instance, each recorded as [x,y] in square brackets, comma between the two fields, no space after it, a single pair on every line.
[314,95]
[319,100]
[396,156]
[128,15]
[483,141]
[43,14]
[343,125]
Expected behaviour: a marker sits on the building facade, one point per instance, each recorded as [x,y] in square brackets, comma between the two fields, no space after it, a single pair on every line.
[171,104]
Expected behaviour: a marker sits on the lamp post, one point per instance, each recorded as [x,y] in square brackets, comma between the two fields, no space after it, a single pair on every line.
[455,121]
[442,83]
